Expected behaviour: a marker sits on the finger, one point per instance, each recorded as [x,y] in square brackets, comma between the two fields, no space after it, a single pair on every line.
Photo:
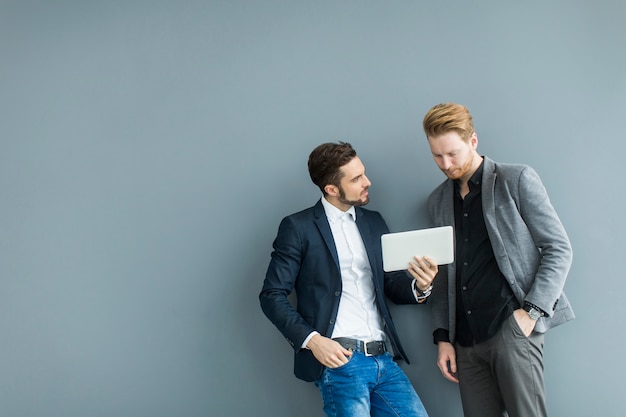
[447,375]
[446,372]
[453,378]
[342,351]
[430,263]
[421,264]
[451,367]
[427,268]
[418,269]
[442,368]
[414,270]
[339,360]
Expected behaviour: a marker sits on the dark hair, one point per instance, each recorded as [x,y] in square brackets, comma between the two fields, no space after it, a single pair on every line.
[325,163]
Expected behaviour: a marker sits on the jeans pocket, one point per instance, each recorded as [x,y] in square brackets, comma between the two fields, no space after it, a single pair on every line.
[342,366]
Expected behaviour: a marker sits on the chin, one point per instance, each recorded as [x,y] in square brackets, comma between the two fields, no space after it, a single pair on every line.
[452,176]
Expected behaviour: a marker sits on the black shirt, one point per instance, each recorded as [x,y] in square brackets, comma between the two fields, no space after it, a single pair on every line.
[483,297]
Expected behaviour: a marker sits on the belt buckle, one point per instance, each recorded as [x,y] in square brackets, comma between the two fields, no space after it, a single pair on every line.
[366,351]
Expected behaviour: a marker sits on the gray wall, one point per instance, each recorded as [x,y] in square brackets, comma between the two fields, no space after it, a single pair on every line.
[149,150]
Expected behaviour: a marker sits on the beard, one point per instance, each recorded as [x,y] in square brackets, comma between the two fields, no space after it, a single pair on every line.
[361,202]
[461,171]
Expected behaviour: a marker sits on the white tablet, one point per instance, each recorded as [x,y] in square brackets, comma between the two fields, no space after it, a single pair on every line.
[400,248]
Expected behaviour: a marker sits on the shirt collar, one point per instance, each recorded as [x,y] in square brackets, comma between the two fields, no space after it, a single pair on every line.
[476,177]
[333,213]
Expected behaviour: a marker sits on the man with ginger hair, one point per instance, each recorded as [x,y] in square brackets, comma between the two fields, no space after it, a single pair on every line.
[492,306]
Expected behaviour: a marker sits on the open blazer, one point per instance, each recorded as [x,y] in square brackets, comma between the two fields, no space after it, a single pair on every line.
[529,242]
[305,259]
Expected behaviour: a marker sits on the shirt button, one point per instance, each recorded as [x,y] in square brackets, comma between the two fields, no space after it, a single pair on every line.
[464,214]
[469,312]
[464,288]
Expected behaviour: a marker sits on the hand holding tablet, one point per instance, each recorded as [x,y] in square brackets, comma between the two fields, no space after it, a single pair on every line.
[399,248]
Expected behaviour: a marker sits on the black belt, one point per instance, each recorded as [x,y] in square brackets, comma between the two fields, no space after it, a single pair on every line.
[369,348]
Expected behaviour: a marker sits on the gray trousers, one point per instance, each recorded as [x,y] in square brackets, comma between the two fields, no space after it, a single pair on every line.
[503,375]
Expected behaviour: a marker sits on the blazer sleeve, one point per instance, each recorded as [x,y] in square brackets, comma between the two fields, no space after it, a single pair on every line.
[549,238]
[279,282]
[397,284]
[439,300]
[398,287]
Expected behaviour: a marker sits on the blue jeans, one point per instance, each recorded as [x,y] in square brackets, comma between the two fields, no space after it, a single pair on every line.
[369,386]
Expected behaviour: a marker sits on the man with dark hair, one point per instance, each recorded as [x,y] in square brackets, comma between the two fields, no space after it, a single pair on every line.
[492,305]
[341,331]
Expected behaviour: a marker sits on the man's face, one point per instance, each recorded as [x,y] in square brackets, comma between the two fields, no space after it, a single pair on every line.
[453,156]
[354,185]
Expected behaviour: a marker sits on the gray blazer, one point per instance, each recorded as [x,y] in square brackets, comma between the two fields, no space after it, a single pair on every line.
[529,242]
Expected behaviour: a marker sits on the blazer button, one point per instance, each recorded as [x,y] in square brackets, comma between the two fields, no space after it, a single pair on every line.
[332,321]
[337,293]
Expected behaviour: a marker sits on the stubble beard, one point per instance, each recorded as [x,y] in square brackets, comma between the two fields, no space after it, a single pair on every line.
[343,200]
[462,171]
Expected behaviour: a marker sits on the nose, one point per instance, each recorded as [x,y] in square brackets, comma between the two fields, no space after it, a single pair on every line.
[367,181]
[446,163]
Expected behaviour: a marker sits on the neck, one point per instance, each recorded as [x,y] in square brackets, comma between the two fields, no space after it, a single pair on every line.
[335,202]
[464,182]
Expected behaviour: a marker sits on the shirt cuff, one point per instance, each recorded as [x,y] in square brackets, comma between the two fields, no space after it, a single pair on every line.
[441,335]
[413,288]
[306,341]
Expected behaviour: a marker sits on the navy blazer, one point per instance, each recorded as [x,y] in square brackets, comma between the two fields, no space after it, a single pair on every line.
[305,259]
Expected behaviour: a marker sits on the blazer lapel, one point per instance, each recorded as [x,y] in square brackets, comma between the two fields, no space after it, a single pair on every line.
[321,221]
[488,183]
[447,203]
[370,243]
[489,206]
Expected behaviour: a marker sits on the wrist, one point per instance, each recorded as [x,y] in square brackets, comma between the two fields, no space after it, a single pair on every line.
[533,311]
[422,294]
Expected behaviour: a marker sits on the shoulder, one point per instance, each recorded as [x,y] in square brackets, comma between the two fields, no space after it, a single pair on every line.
[301,219]
[302,214]
[510,171]
[317,210]
[438,189]
[438,192]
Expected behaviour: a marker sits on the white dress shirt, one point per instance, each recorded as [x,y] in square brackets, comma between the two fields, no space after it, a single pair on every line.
[358,315]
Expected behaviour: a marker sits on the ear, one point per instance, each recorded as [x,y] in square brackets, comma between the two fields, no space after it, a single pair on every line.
[331,190]
[474,140]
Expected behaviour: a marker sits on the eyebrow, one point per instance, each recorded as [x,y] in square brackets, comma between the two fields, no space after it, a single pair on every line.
[445,153]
